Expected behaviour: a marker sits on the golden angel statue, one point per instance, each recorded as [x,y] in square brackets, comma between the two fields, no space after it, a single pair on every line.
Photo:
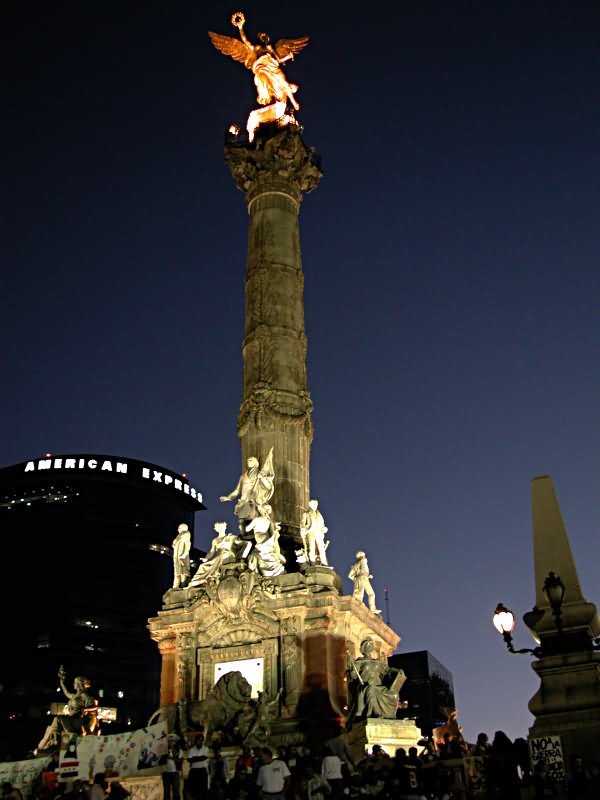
[274,91]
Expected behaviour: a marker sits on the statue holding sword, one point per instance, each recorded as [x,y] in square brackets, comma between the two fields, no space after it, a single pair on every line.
[373,686]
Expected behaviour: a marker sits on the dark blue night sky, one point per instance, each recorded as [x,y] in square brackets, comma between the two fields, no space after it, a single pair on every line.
[451,257]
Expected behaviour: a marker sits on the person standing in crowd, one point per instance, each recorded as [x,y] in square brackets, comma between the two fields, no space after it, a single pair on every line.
[503,774]
[245,761]
[198,756]
[218,774]
[338,746]
[331,770]
[578,778]
[242,785]
[273,776]
[171,776]
[117,791]
[407,776]
[482,746]
[99,787]
[594,787]
[543,785]
[317,787]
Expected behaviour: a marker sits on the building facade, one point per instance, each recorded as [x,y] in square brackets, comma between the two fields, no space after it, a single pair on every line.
[86,551]
[428,691]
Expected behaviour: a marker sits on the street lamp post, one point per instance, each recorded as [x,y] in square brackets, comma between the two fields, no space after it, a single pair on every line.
[554,589]
[555,592]
[566,627]
[504,622]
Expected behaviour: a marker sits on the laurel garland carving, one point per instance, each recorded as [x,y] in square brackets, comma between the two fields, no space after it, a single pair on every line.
[265,408]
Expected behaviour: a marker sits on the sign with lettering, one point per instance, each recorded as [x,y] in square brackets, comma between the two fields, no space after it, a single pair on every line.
[113,466]
[548,750]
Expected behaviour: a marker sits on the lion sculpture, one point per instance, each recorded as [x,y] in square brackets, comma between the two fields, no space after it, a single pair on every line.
[220,709]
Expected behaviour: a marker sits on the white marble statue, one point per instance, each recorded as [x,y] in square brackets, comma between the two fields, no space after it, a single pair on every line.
[181,556]
[313,530]
[360,575]
[254,489]
[265,557]
[222,551]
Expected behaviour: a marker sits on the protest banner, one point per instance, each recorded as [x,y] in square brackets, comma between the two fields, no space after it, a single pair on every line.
[120,755]
[24,775]
[548,750]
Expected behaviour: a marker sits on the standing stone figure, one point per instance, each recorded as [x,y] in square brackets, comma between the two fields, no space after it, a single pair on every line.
[254,489]
[359,573]
[313,530]
[80,713]
[181,556]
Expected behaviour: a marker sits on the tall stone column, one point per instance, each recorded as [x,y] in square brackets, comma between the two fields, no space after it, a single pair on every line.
[276,409]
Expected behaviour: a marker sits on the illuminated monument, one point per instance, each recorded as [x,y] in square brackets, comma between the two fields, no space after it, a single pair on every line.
[276,406]
[262,645]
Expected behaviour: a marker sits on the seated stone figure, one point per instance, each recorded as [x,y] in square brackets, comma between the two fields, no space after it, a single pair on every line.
[222,551]
[80,715]
[373,686]
[265,557]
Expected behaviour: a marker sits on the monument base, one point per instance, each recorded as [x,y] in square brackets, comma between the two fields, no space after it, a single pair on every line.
[288,637]
[143,787]
[390,734]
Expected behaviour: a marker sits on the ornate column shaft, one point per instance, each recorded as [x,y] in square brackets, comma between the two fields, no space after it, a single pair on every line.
[168,672]
[185,666]
[276,409]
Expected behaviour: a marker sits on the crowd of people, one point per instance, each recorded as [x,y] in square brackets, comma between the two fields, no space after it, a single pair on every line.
[450,770]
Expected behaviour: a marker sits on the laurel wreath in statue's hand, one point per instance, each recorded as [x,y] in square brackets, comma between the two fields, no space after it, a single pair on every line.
[238,19]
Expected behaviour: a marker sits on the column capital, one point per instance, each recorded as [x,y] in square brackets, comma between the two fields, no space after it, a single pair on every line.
[167,645]
[282,164]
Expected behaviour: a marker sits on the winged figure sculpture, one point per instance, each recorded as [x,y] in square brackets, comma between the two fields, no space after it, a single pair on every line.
[274,91]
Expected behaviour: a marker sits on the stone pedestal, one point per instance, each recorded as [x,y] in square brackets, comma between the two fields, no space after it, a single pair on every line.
[299,625]
[567,704]
[322,578]
[276,409]
[389,733]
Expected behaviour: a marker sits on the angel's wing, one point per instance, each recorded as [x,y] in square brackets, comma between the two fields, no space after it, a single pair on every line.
[290,47]
[234,48]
